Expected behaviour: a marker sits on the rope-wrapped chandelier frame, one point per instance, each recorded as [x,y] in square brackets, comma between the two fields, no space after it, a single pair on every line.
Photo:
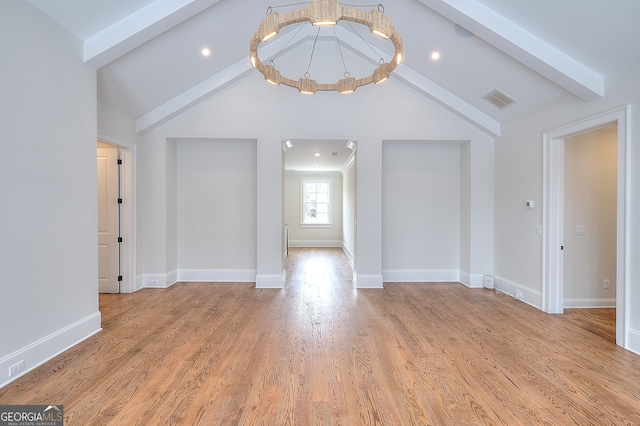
[326,13]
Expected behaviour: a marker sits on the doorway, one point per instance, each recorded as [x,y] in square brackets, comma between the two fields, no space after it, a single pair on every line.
[109,201]
[126,259]
[553,217]
[589,205]
[327,167]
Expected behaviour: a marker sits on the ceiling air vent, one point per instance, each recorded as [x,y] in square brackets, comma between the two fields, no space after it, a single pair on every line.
[499,99]
[334,153]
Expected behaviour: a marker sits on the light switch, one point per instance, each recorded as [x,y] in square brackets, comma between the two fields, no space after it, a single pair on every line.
[580,229]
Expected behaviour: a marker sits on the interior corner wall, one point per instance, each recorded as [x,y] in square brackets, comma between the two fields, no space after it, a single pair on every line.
[480,241]
[48,243]
[519,177]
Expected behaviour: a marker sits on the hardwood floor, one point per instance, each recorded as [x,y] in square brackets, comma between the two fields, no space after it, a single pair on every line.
[319,352]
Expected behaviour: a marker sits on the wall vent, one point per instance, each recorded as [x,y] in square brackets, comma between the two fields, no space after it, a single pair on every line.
[499,98]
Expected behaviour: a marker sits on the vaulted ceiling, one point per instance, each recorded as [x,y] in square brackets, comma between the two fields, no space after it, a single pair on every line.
[150,66]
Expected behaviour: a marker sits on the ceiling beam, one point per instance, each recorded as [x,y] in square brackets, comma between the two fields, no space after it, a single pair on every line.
[203,90]
[447,100]
[138,28]
[425,86]
[523,46]
[241,68]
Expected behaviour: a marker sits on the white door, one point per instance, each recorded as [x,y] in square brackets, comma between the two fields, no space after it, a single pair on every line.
[108,221]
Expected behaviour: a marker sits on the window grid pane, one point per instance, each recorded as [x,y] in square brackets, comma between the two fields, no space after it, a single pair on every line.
[316,203]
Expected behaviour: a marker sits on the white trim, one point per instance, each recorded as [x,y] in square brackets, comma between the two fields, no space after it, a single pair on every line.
[472,281]
[530,297]
[128,224]
[315,243]
[140,27]
[159,280]
[217,275]
[420,275]
[552,221]
[633,341]
[50,346]
[271,281]
[242,68]
[367,281]
[589,303]
[522,46]
[349,254]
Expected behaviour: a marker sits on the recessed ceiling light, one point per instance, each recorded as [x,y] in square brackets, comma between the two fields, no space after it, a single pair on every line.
[316,154]
[206,52]
[435,55]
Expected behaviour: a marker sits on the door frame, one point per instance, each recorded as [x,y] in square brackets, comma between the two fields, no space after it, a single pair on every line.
[128,210]
[553,213]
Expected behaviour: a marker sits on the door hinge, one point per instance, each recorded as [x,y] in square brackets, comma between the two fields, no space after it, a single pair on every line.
[561,247]
[119,161]
[119,239]
[119,277]
[119,200]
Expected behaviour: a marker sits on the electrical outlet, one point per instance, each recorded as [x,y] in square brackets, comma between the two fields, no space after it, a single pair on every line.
[518,294]
[16,368]
[154,283]
[606,284]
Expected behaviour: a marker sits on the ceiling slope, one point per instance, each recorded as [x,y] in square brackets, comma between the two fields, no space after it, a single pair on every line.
[140,27]
[242,68]
[523,46]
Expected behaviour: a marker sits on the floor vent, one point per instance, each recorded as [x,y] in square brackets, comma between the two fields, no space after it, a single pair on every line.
[499,99]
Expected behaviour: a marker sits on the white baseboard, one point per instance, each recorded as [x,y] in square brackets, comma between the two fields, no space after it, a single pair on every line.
[528,296]
[589,303]
[217,275]
[349,254]
[50,346]
[633,341]
[471,281]
[271,281]
[155,281]
[368,281]
[315,243]
[420,275]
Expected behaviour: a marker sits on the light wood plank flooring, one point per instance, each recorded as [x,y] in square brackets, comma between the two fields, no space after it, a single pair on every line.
[319,352]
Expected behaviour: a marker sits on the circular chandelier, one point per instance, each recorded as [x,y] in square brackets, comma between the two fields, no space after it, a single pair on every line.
[322,13]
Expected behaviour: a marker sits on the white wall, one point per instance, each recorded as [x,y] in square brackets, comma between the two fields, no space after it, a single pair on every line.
[216,231]
[48,241]
[239,112]
[519,177]
[349,209]
[590,202]
[421,211]
[313,236]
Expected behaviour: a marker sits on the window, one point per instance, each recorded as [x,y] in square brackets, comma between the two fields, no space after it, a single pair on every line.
[316,202]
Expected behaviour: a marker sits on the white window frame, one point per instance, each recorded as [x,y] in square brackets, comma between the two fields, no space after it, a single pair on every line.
[303,182]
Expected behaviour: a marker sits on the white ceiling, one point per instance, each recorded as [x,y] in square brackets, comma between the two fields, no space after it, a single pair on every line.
[147,52]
